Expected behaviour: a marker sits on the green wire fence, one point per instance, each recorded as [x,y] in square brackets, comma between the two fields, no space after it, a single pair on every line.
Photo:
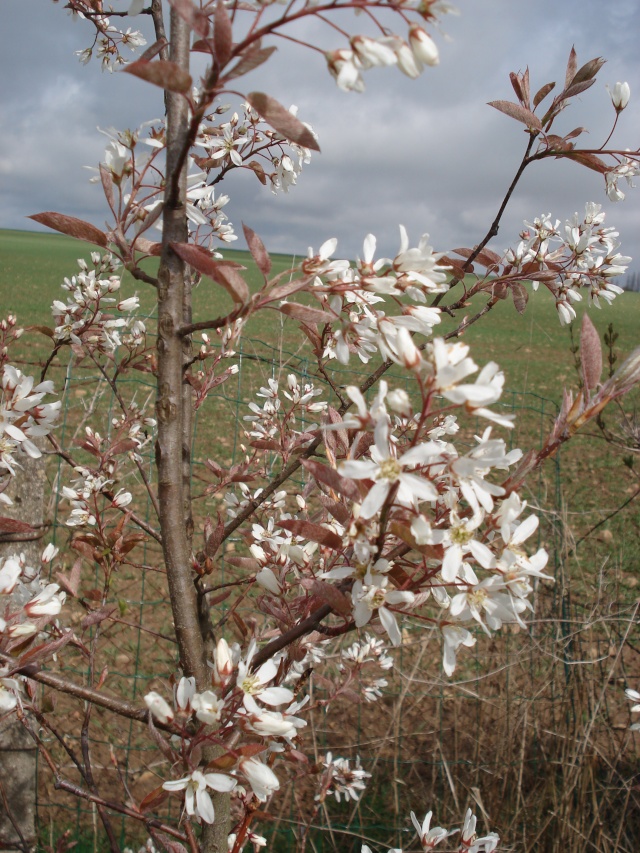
[532,731]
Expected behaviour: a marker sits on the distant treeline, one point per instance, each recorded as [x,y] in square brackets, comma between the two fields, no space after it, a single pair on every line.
[631,281]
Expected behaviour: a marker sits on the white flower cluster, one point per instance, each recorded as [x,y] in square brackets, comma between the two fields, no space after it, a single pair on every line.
[634,696]
[23,417]
[129,434]
[581,252]
[274,420]
[238,141]
[468,841]
[343,780]
[250,706]
[351,295]
[359,656]
[109,39]
[627,168]
[82,318]
[410,56]
[27,604]
[140,185]
[471,524]
[235,504]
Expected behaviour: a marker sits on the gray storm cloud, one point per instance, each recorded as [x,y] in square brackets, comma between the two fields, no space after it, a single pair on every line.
[427,153]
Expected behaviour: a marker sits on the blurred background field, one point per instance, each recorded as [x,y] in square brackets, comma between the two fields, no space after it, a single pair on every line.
[533,730]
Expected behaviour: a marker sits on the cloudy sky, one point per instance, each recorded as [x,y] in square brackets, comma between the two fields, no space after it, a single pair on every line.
[428,153]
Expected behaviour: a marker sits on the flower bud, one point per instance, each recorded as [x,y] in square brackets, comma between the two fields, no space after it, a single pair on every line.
[159,707]
[620,95]
[423,45]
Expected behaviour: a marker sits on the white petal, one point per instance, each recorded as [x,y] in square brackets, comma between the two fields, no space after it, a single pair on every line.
[375,499]
[276,696]
[390,625]
[220,782]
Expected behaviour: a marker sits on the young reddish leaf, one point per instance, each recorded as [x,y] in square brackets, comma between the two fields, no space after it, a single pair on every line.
[196,18]
[170,844]
[314,532]
[240,623]
[71,226]
[590,353]
[518,113]
[250,749]
[12,525]
[576,89]
[223,762]
[167,75]
[572,65]
[257,249]
[103,677]
[44,330]
[71,583]
[223,273]
[45,650]
[203,46]
[284,290]
[457,268]
[214,539]
[525,87]
[486,257]
[130,541]
[337,510]
[282,120]
[588,71]
[97,616]
[340,433]
[222,35]
[107,185]
[557,143]
[305,313]
[332,595]
[154,799]
[146,246]
[403,531]
[499,290]
[258,171]
[330,477]
[540,275]
[246,563]
[251,60]
[591,161]
[265,444]
[520,297]
[213,600]
[517,87]
[542,93]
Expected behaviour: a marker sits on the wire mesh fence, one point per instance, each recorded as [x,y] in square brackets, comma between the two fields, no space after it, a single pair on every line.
[532,731]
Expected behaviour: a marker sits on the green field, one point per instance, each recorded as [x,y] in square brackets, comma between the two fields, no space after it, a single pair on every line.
[597,582]
[533,349]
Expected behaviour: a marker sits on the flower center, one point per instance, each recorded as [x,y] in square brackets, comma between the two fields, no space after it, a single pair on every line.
[460,535]
[390,469]
[377,599]
[251,684]
[477,598]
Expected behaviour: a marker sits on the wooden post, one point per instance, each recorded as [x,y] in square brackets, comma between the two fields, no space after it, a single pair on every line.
[17,749]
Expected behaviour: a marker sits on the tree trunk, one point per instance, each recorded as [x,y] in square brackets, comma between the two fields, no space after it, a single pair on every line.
[174,415]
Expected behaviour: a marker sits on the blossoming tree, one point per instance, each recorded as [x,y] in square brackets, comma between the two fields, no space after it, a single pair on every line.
[395,524]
